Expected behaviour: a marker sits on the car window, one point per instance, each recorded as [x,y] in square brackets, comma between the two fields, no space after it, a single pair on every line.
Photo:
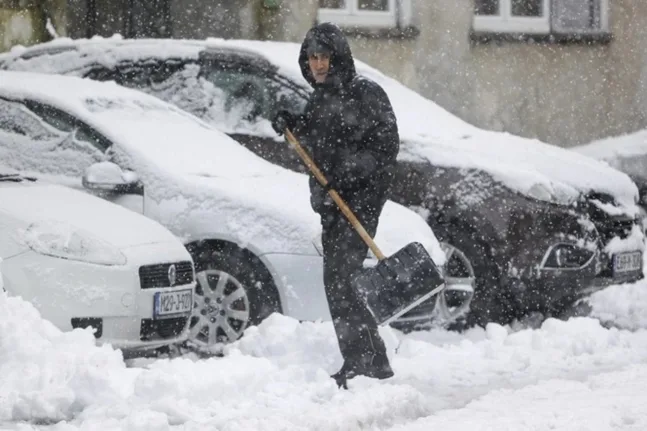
[68,124]
[173,81]
[30,142]
[288,97]
[15,118]
[251,94]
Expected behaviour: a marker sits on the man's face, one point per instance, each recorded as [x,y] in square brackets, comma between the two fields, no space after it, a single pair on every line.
[319,66]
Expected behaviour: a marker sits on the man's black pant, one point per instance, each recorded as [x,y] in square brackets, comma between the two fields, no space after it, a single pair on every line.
[344,252]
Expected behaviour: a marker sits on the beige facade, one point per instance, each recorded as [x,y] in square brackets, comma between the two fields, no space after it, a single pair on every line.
[24,22]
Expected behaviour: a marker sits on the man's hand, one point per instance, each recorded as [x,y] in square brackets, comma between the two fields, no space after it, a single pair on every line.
[282,120]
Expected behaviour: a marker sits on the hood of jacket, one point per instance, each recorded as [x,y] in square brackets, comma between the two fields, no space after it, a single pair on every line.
[342,64]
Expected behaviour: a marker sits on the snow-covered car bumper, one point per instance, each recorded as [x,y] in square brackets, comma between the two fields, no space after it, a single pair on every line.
[139,306]
[570,270]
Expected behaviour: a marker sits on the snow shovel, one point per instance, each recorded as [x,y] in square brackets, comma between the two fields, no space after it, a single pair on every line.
[397,283]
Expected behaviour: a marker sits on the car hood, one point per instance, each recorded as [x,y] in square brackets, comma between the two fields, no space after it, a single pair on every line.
[49,204]
[529,166]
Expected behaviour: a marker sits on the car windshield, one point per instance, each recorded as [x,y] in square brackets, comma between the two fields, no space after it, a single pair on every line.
[173,139]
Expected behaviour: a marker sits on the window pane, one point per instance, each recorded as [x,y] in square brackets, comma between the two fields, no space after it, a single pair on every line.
[244,97]
[379,5]
[486,7]
[29,143]
[16,119]
[70,126]
[332,4]
[577,14]
[527,8]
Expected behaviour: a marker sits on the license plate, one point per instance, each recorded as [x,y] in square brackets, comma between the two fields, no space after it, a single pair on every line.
[168,304]
[627,262]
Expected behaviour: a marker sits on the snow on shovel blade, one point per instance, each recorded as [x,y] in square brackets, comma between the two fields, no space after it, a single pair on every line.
[399,283]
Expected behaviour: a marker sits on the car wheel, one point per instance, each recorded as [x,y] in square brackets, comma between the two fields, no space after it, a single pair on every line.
[460,284]
[231,295]
[486,304]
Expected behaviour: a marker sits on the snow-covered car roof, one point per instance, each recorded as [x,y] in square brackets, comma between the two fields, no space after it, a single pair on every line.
[258,199]
[428,132]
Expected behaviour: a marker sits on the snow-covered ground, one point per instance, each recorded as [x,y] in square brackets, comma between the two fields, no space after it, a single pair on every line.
[566,375]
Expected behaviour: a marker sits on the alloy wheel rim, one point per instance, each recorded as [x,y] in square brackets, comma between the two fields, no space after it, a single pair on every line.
[465,280]
[221,309]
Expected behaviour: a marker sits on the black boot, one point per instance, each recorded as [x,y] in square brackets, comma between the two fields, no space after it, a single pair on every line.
[375,367]
[340,376]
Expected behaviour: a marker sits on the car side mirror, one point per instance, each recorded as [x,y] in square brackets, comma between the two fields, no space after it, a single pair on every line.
[109,177]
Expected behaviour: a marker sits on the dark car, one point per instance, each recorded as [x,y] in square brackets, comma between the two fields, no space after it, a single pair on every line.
[539,226]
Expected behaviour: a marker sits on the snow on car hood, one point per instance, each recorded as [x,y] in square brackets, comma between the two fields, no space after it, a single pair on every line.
[50,205]
[428,131]
[202,175]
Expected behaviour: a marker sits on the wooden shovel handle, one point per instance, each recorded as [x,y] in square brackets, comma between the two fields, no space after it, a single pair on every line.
[334,195]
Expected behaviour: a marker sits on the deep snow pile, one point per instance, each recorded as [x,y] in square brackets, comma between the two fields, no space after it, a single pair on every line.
[48,375]
[564,375]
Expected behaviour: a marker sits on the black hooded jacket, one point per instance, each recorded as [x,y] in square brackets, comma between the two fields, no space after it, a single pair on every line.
[348,126]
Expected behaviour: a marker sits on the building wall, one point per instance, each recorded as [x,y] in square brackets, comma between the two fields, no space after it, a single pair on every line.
[24,22]
[562,94]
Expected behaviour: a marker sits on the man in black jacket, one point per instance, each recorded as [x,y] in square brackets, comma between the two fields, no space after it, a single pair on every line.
[350,131]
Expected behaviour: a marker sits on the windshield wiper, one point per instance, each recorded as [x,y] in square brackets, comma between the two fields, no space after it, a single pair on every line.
[16,178]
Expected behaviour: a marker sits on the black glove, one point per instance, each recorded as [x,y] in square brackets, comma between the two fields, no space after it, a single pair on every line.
[282,120]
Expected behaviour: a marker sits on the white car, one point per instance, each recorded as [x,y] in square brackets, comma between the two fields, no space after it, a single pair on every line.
[247,223]
[85,262]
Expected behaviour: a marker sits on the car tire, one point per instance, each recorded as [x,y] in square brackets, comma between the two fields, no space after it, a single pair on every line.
[488,304]
[232,294]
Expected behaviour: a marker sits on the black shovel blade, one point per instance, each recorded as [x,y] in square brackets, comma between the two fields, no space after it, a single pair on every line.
[399,283]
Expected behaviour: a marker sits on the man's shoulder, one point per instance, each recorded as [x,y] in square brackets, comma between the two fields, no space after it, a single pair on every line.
[364,85]
[361,81]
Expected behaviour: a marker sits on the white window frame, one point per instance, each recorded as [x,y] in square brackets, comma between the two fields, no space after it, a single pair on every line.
[506,23]
[399,14]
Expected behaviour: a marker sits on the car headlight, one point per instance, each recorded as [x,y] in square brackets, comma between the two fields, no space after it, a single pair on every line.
[567,256]
[59,239]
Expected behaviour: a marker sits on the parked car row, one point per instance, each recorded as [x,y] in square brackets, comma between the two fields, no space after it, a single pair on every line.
[125,213]
[536,226]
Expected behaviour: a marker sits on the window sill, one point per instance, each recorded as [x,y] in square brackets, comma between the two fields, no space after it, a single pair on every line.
[481,37]
[403,33]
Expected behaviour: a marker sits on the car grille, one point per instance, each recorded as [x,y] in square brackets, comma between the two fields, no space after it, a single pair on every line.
[152,276]
[163,328]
